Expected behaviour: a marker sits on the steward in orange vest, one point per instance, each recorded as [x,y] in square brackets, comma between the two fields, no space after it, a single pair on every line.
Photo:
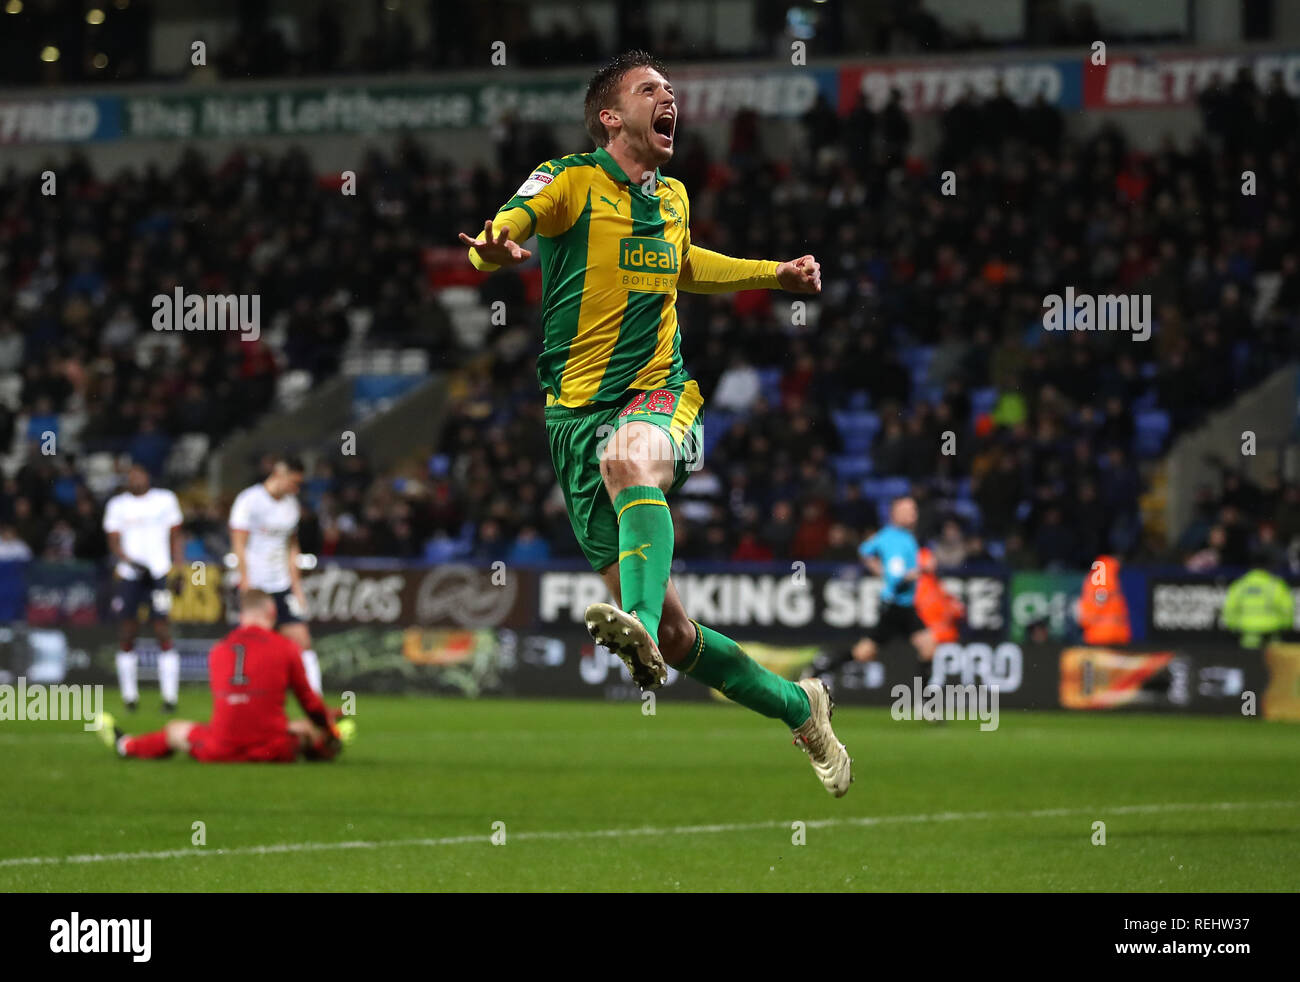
[939,610]
[1103,612]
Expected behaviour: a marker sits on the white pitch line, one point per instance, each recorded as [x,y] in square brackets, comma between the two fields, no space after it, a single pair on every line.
[823,823]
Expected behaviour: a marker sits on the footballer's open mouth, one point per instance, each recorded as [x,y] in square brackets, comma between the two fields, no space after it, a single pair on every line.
[664,126]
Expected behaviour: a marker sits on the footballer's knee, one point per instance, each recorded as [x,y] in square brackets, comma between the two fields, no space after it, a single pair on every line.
[619,473]
[676,637]
[637,455]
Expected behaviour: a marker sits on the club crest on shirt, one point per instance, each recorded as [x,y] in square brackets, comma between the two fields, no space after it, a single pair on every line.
[537,180]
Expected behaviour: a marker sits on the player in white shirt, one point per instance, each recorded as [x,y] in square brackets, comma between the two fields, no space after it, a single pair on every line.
[144,535]
[264,538]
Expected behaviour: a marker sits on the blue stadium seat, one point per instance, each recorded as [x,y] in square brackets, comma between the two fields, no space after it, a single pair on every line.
[885,487]
[1152,430]
[918,356]
[968,511]
[440,549]
[983,400]
[925,392]
[851,467]
[770,380]
[917,362]
[883,490]
[858,430]
[860,400]
[716,424]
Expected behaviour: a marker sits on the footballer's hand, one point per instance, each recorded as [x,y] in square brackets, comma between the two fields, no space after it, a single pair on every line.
[176,581]
[802,275]
[500,251]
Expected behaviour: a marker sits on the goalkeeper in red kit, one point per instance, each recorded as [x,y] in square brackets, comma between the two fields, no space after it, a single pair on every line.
[250,671]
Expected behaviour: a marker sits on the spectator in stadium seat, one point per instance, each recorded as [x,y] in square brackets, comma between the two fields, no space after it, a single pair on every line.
[812,536]
[11,347]
[739,386]
[855,511]
[1266,551]
[822,124]
[29,526]
[1286,515]
[528,547]
[889,455]
[1056,544]
[149,448]
[896,129]
[842,545]
[780,529]
[1210,555]
[1017,553]
[491,544]
[12,547]
[60,543]
[1090,521]
[751,549]
[949,550]
[1044,125]
[1195,534]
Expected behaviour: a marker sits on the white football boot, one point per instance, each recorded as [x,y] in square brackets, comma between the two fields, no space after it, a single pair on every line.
[624,634]
[829,758]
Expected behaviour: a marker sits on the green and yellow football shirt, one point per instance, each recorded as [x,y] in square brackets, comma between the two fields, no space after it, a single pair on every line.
[613,256]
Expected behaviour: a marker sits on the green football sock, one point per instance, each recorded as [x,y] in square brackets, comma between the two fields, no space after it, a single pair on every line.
[721,664]
[645,553]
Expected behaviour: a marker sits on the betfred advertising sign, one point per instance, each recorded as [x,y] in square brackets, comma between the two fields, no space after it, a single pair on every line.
[1176,79]
[933,86]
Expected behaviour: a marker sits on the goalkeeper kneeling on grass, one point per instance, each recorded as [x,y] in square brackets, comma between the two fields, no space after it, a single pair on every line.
[250,672]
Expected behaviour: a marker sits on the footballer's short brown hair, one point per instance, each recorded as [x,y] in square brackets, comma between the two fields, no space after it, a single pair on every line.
[602,90]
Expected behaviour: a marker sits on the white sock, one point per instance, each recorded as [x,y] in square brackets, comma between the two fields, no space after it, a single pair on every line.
[169,674]
[126,663]
[312,666]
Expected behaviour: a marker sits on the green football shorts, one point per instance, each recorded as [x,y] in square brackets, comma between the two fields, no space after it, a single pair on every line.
[578,436]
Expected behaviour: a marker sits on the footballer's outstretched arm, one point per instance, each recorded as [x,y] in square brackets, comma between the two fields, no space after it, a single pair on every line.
[543,205]
[498,245]
[706,271]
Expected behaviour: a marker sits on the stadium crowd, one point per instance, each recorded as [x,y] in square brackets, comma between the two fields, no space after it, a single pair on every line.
[930,325]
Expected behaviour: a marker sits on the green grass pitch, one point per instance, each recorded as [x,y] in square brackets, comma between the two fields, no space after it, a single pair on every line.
[598,796]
